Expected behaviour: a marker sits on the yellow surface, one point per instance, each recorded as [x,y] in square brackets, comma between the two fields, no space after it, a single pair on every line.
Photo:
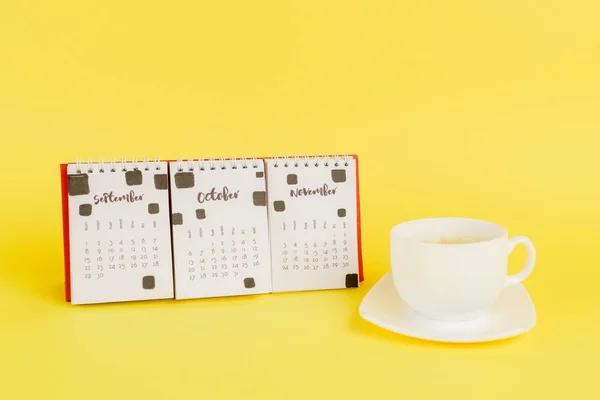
[481,109]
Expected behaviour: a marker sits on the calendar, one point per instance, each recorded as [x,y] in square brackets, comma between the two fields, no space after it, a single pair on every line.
[200,228]
[119,236]
[220,228]
[313,223]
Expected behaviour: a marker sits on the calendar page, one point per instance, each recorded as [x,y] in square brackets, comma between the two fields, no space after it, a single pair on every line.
[220,228]
[119,233]
[313,223]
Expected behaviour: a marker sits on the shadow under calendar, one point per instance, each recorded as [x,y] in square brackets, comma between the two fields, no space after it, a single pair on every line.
[198,228]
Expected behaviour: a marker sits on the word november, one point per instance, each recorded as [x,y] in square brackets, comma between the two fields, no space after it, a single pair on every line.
[322,191]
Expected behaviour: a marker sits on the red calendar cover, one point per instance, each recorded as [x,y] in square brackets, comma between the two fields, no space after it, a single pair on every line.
[65,222]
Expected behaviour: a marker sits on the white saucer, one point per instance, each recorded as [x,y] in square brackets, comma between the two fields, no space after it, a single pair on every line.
[512,314]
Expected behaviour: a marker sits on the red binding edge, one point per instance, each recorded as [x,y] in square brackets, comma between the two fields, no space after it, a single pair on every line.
[358,226]
[65,221]
[64,185]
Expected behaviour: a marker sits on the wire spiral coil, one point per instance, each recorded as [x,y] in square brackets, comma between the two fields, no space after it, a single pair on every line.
[307,161]
[212,164]
[101,166]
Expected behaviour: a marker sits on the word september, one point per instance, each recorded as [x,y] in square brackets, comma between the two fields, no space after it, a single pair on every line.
[130,197]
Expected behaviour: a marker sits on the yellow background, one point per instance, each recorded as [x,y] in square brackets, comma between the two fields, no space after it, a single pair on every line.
[481,109]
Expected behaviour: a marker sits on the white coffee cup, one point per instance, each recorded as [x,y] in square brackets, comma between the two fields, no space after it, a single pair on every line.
[447,281]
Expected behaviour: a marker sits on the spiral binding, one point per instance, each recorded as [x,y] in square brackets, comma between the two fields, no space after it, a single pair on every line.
[307,161]
[113,166]
[203,164]
[212,164]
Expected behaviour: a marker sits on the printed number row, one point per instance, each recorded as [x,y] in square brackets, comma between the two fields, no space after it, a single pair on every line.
[121,267]
[214,259]
[206,275]
[307,267]
[295,246]
[134,257]
[223,251]
[122,242]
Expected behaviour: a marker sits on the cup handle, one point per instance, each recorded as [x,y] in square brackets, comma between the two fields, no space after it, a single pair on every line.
[529,263]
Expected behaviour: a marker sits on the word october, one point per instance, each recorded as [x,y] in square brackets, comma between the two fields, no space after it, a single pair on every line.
[224,195]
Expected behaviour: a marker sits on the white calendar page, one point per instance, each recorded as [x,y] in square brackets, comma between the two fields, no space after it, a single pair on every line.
[119,233]
[313,223]
[220,229]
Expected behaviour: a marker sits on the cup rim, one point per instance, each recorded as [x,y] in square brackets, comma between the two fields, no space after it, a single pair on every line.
[476,220]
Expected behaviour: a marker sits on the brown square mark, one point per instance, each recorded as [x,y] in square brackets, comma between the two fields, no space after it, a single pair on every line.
[259,198]
[85,210]
[133,178]
[351,280]
[279,205]
[161,181]
[78,184]
[292,179]
[249,283]
[177,219]
[184,180]
[148,282]
[338,175]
